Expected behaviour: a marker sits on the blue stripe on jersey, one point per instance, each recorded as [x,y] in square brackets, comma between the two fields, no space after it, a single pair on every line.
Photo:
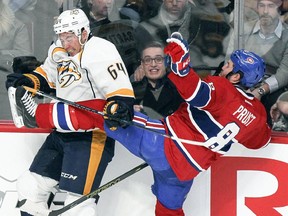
[207,125]
[61,116]
[202,97]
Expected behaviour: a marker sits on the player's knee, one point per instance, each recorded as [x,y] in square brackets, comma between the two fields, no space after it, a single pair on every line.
[86,208]
[34,187]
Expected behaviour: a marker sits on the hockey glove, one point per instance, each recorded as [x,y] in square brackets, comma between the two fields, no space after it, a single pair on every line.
[16,79]
[25,64]
[177,52]
[117,113]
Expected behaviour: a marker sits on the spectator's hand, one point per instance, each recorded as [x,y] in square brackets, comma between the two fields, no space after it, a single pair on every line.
[138,108]
[117,113]
[255,93]
[139,73]
[275,112]
[178,51]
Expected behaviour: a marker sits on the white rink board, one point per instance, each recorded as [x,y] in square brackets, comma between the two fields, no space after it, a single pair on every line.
[252,177]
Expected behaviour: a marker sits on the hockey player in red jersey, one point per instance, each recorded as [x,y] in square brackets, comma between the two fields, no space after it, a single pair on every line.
[217,112]
[86,70]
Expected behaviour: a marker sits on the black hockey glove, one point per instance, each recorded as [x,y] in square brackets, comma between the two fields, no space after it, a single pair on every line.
[25,64]
[117,113]
[16,79]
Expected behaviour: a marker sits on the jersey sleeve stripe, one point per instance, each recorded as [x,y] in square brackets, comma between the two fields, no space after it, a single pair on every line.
[121,92]
[61,117]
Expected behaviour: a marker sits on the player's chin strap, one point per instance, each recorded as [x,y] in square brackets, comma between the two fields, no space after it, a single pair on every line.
[79,106]
[95,192]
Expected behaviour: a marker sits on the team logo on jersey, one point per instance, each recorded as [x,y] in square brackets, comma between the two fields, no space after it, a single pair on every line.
[67,73]
[250,60]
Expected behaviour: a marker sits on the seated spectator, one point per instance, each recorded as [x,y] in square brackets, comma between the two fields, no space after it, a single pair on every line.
[14,37]
[279,113]
[98,11]
[155,94]
[133,9]
[214,28]
[173,16]
[17,5]
[268,37]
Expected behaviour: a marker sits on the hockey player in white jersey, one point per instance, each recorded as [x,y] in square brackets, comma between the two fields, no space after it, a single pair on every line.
[83,69]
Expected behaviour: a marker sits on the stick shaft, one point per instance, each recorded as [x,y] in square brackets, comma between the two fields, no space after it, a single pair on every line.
[100,189]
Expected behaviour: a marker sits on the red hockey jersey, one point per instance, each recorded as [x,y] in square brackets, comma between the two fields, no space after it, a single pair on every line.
[216,113]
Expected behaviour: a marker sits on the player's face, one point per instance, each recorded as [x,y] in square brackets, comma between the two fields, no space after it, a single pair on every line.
[153,63]
[268,13]
[70,43]
[175,8]
[226,69]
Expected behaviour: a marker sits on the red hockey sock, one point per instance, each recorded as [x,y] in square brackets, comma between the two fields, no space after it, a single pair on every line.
[161,210]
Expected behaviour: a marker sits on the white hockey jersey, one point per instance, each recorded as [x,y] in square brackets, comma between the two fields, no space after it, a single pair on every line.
[96,72]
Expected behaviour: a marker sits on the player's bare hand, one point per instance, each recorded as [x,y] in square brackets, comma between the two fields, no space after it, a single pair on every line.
[139,73]
[138,108]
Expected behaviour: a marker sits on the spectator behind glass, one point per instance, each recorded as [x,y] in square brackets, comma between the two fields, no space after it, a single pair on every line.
[134,10]
[155,94]
[99,11]
[214,28]
[14,37]
[185,17]
[127,35]
[268,37]
[279,113]
[173,16]
[17,5]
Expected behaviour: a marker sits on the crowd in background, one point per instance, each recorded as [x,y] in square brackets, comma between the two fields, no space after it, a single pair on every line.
[133,25]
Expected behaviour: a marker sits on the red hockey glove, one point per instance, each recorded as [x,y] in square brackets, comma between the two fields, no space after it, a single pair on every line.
[178,52]
[117,113]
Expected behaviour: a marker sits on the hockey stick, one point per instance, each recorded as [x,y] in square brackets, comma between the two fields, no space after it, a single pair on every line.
[131,123]
[97,191]
[93,193]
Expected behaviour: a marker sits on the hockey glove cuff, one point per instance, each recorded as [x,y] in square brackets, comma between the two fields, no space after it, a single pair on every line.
[177,52]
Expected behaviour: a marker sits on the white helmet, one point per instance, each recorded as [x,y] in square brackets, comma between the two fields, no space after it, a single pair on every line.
[72,21]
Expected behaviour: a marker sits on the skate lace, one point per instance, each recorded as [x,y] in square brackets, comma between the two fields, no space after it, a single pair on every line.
[29,103]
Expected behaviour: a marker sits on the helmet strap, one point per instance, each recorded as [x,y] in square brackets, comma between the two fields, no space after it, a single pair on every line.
[81,36]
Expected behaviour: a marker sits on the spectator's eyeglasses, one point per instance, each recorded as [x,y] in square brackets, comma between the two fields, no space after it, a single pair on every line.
[149,60]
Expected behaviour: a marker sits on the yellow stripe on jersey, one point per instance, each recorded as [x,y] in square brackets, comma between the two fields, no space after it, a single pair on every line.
[121,92]
[58,49]
[35,80]
[97,148]
[40,71]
